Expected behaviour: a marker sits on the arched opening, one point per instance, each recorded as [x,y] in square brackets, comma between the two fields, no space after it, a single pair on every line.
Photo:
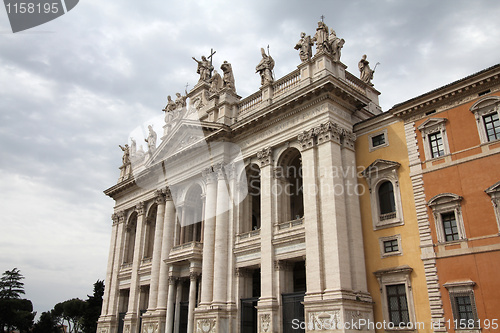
[192,215]
[150,232]
[290,185]
[130,239]
[387,205]
[250,206]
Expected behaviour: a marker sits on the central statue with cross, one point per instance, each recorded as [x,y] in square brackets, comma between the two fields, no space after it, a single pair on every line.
[205,67]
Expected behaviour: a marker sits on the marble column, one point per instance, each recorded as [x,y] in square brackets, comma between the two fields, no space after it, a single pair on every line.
[109,271]
[312,224]
[156,260]
[167,244]
[178,299]
[193,279]
[208,238]
[169,326]
[221,239]
[134,281]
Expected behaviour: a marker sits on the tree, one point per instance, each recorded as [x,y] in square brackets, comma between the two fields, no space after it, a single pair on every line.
[46,324]
[93,310]
[15,313]
[11,285]
[70,312]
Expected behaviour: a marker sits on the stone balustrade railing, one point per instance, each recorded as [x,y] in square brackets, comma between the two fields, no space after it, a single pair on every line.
[286,83]
[249,103]
[355,83]
[248,234]
[289,224]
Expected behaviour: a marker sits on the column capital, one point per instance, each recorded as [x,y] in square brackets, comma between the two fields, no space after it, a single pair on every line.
[209,175]
[329,131]
[349,139]
[281,265]
[265,156]
[306,138]
[160,197]
[116,217]
[242,272]
[193,276]
[139,208]
[220,171]
[172,279]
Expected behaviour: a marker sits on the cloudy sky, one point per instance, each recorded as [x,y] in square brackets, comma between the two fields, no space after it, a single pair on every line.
[76,87]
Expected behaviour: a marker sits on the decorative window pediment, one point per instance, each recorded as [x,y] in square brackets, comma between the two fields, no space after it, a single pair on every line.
[494,193]
[447,211]
[487,111]
[435,140]
[385,196]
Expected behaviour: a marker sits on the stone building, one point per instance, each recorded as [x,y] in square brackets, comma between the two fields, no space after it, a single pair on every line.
[298,208]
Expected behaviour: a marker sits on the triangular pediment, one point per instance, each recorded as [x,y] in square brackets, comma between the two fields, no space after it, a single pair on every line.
[493,189]
[185,135]
[431,122]
[380,165]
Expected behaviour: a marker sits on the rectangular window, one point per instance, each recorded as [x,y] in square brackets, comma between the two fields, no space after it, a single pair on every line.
[397,303]
[450,226]
[436,143]
[464,308]
[391,246]
[378,140]
[492,126]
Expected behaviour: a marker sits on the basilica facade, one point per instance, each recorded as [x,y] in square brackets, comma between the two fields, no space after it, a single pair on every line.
[298,208]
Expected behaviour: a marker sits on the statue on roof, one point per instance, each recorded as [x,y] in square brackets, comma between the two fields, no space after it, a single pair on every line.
[265,68]
[366,73]
[228,78]
[215,83]
[304,45]
[321,37]
[180,101]
[151,139]
[126,154]
[204,68]
[335,44]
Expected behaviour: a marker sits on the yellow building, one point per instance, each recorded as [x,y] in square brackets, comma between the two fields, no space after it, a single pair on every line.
[395,272]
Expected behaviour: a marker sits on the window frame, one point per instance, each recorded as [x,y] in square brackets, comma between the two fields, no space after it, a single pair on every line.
[376,174]
[382,241]
[395,276]
[497,136]
[486,106]
[433,126]
[462,289]
[383,132]
[447,203]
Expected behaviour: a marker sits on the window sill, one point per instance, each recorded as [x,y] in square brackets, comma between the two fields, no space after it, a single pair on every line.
[388,223]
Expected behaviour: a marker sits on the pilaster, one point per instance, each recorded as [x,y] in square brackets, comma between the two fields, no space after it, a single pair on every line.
[268,303]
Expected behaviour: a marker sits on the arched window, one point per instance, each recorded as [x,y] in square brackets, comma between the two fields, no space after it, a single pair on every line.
[386,198]
[192,216]
[150,232]
[130,242]
[289,185]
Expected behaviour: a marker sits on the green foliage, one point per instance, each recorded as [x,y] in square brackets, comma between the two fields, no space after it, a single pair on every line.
[93,310]
[70,313]
[15,313]
[46,324]
[11,285]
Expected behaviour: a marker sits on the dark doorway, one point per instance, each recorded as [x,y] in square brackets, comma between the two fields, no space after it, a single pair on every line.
[121,318]
[293,312]
[249,315]
[183,320]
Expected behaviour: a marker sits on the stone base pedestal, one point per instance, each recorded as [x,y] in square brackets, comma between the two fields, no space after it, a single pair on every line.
[215,320]
[107,324]
[267,316]
[153,322]
[338,315]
